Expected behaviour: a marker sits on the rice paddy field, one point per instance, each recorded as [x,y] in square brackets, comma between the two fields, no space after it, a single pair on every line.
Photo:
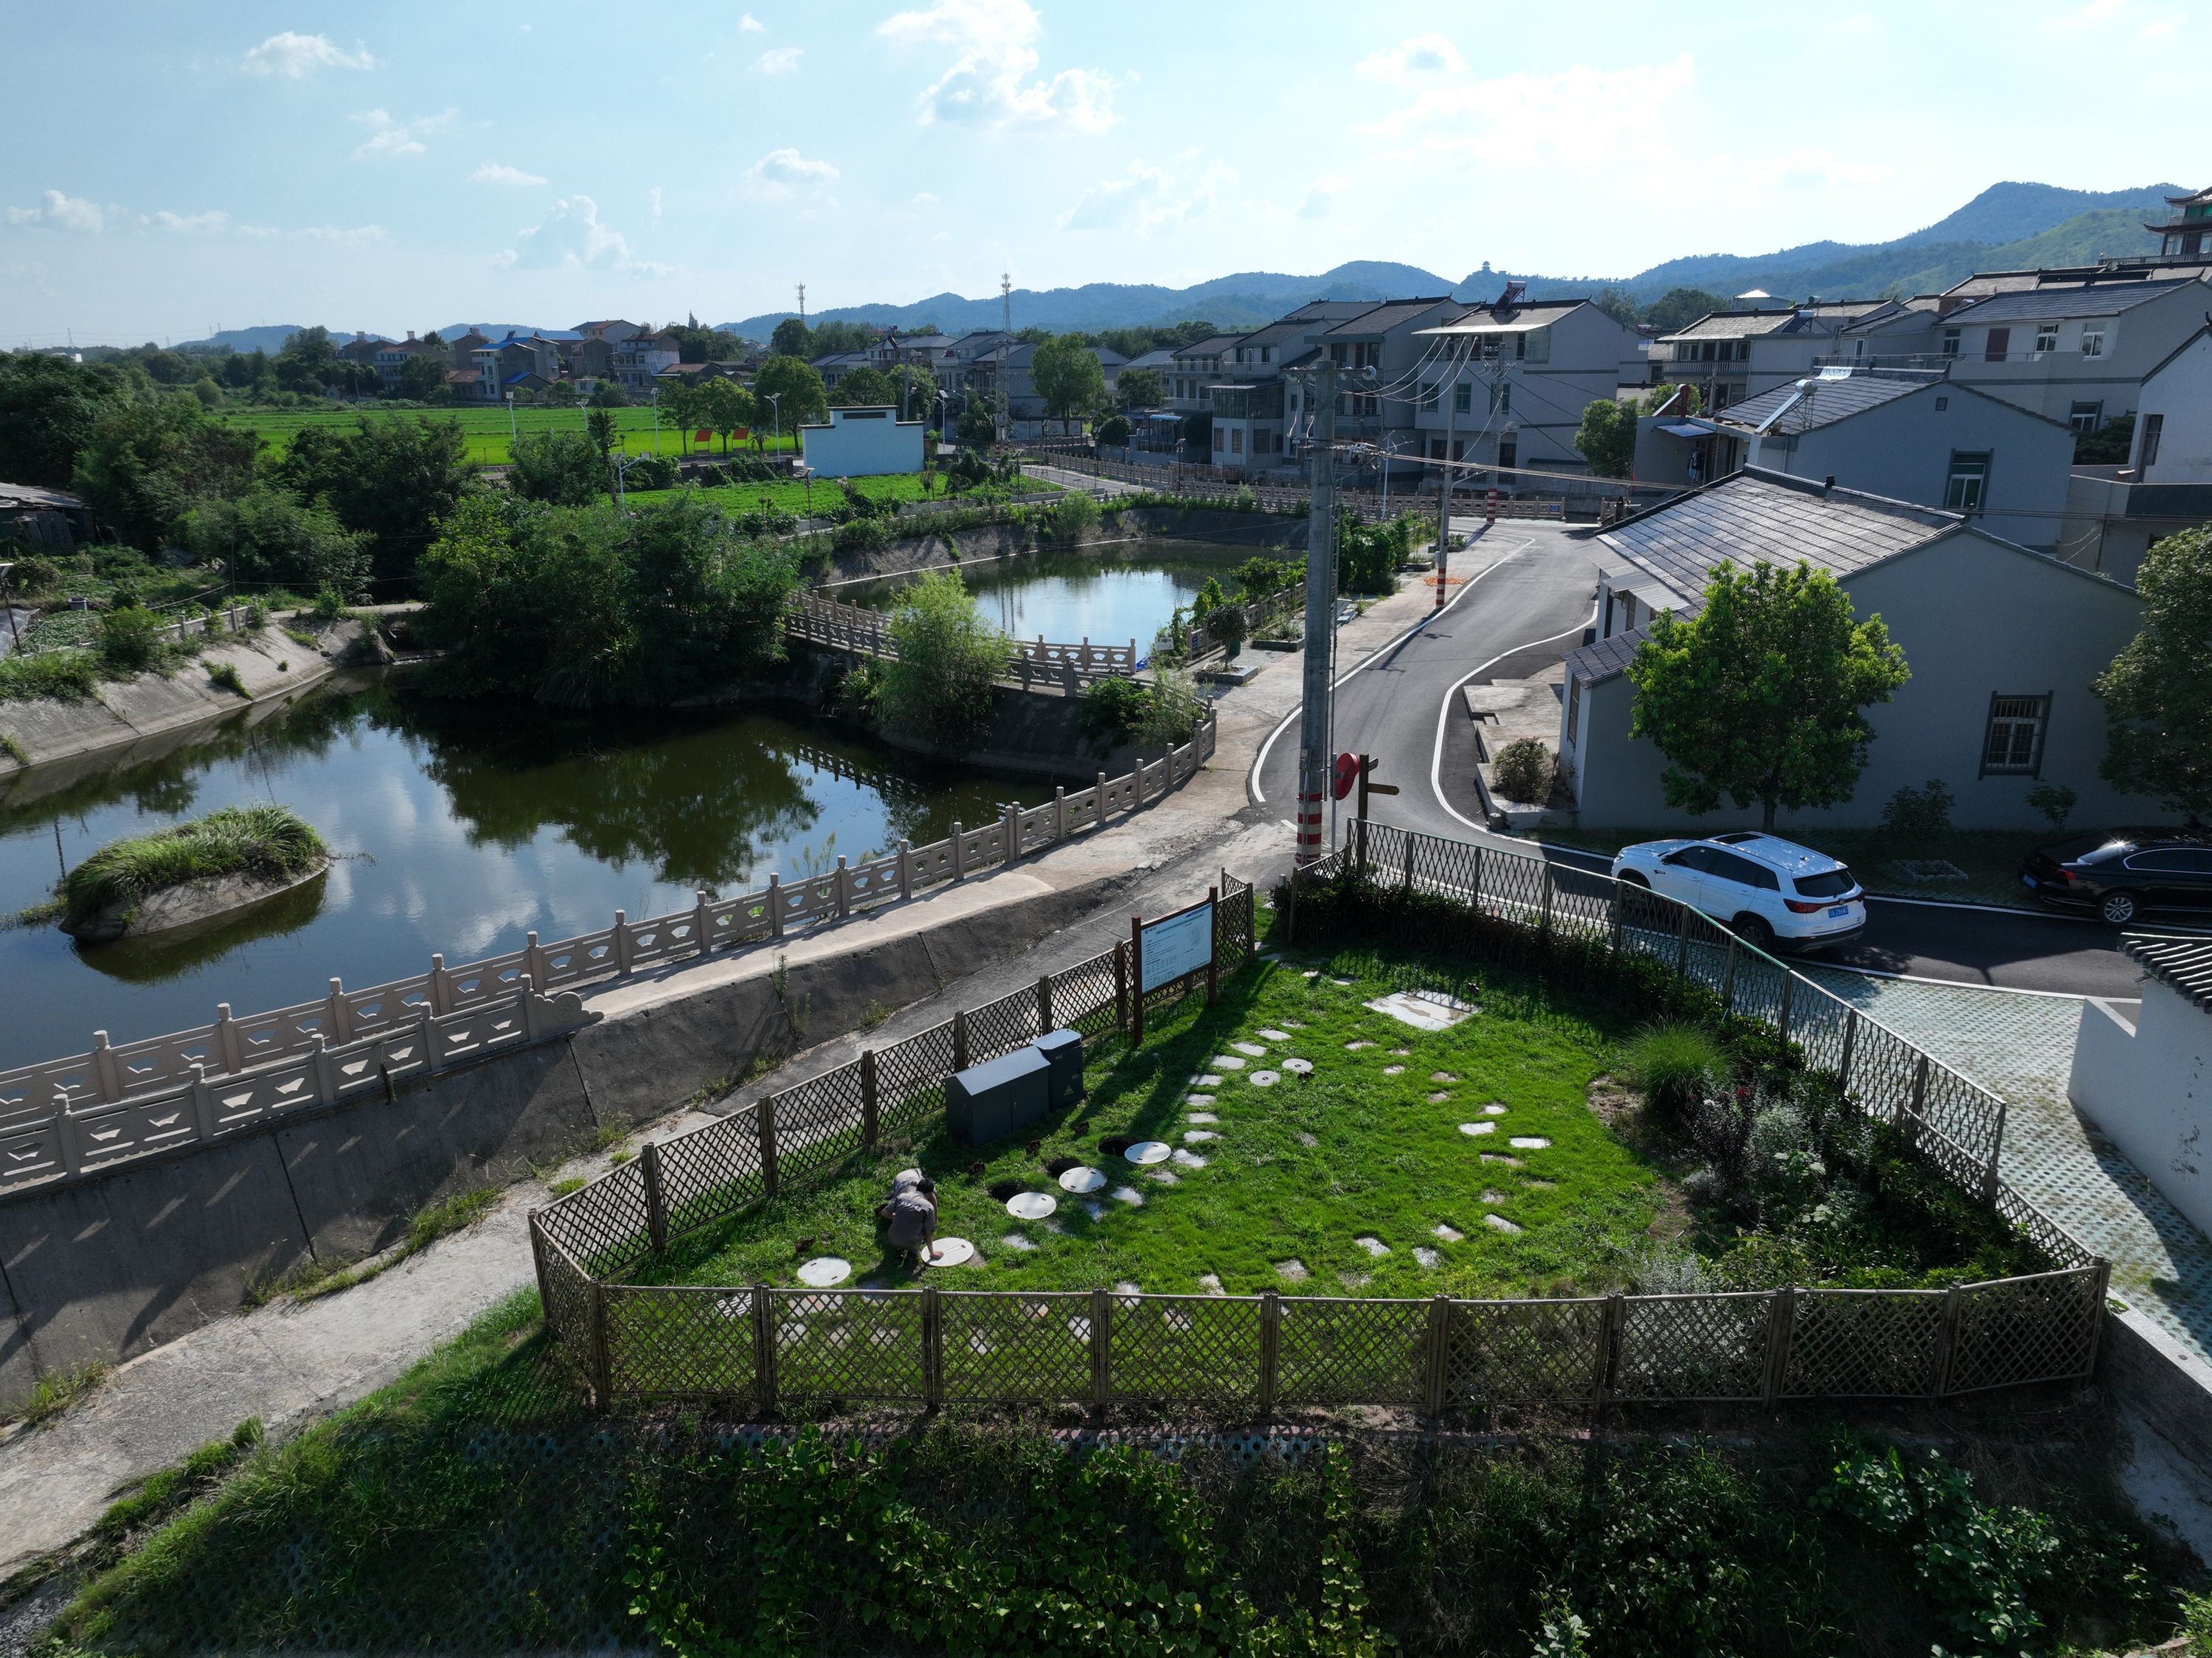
[486,430]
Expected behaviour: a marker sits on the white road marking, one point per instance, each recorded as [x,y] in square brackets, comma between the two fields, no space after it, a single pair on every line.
[1443,712]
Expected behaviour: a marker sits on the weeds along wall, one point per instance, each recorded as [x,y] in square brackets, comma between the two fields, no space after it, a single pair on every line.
[80,1117]
[757,1347]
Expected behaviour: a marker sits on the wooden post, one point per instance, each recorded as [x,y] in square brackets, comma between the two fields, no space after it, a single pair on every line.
[1102,1349]
[764,1121]
[1409,862]
[1212,943]
[1044,1004]
[870,1102]
[1271,1348]
[1610,1329]
[960,1038]
[1990,1178]
[1919,1097]
[656,1205]
[1551,891]
[1475,892]
[602,1379]
[1851,1040]
[1436,1377]
[1781,1323]
[933,1349]
[1137,982]
[1947,1340]
[1251,918]
[763,1351]
[1120,987]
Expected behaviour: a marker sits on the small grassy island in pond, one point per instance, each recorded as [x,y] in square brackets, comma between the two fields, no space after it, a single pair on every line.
[221,862]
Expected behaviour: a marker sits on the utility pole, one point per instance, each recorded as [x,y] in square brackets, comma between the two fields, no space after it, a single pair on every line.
[1444,495]
[802,302]
[1007,299]
[1313,758]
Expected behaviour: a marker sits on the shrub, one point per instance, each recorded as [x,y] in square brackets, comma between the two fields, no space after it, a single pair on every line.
[330,605]
[857,693]
[942,684]
[2055,801]
[1173,709]
[1075,513]
[862,535]
[224,677]
[1522,772]
[1113,709]
[65,676]
[268,841]
[1923,810]
[650,472]
[1670,1064]
[1228,624]
[131,640]
[34,574]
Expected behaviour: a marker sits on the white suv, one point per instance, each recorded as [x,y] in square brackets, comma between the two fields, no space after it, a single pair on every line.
[1769,890]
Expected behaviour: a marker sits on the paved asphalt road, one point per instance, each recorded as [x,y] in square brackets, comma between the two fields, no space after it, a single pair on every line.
[1527,598]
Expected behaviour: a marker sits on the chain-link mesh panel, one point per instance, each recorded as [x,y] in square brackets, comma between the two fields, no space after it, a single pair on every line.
[1332,1351]
[1197,1348]
[818,1122]
[679,1342]
[1001,1027]
[711,1172]
[1015,1348]
[1693,1347]
[604,1227]
[1522,1352]
[910,1076]
[1882,1343]
[848,1343]
[1083,997]
[2019,1330]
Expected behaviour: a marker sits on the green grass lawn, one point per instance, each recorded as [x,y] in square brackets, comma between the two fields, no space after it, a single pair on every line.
[1370,1145]
[792,498]
[1989,859]
[486,429]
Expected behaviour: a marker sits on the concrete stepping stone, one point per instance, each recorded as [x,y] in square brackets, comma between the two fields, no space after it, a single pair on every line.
[1542,1186]
[1015,1241]
[1031,1205]
[1199,1099]
[1197,1137]
[1125,1288]
[1354,1047]
[1477,1128]
[952,1251]
[1201,1116]
[1083,1179]
[1450,1234]
[1493,1109]
[1210,1284]
[1145,1153]
[1291,1272]
[1438,1097]
[1394,1070]
[1489,1196]
[1401,1053]
[1265,1079]
[1499,1223]
[1164,1176]
[1343,983]
[1374,1246]
[1203,1079]
[1249,1050]
[1442,1076]
[1273,1035]
[1311,973]
[1226,1061]
[1297,1068]
[1292,1025]
[1354,1280]
[1129,1195]
[1529,1142]
[1500,1157]
[1056,1226]
[1307,1140]
[1189,1159]
[1094,1208]
[1425,1256]
[823,1270]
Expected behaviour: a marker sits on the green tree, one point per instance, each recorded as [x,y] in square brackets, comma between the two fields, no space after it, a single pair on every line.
[268,535]
[561,394]
[1141,388]
[790,339]
[798,386]
[725,408]
[681,407]
[1607,436]
[563,468]
[1067,376]
[2111,444]
[830,337]
[609,394]
[392,477]
[606,438]
[941,686]
[864,388]
[423,377]
[2157,692]
[145,464]
[1680,307]
[978,425]
[1617,303]
[309,362]
[1758,697]
[48,408]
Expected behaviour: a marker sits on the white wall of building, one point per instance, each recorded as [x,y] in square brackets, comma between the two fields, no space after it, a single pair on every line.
[2150,1090]
[862,443]
[2180,394]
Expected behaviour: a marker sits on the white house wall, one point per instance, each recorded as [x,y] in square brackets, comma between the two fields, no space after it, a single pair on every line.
[2150,1091]
[862,443]
[2181,394]
[1974,620]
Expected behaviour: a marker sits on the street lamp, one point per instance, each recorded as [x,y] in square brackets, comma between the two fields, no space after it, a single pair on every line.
[510,425]
[1387,452]
[776,403]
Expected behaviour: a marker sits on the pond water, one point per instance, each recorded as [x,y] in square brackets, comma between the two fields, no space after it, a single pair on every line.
[461,827]
[1109,598]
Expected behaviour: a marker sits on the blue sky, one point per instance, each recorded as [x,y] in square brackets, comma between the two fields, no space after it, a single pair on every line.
[166,168]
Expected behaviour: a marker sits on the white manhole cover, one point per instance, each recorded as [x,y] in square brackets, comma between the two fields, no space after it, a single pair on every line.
[952,1251]
[823,1270]
[1082,1180]
[1031,1205]
[1301,1067]
[1145,1152]
[1265,1079]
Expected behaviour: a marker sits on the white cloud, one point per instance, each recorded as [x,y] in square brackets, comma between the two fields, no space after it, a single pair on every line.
[570,238]
[500,172]
[55,211]
[193,224]
[925,198]
[352,236]
[388,137]
[1414,62]
[991,81]
[296,55]
[259,232]
[749,24]
[1147,198]
[782,61]
[782,174]
[1576,119]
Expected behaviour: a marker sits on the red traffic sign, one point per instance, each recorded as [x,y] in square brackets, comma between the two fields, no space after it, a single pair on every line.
[1347,773]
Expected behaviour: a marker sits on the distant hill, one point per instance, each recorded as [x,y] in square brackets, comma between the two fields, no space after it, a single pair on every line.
[269,338]
[2009,225]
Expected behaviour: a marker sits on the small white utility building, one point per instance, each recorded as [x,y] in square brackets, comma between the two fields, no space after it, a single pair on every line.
[2150,1089]
[862,443]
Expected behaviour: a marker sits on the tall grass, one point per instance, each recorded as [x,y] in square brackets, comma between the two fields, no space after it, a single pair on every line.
[269,841]
[66,676]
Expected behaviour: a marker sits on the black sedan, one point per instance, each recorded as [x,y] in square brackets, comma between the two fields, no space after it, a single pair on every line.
[2122,872]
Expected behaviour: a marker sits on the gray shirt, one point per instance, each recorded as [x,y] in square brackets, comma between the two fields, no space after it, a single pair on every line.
[913,1220]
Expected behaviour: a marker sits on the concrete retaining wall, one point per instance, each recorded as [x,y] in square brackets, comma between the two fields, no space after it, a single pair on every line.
[104,1269]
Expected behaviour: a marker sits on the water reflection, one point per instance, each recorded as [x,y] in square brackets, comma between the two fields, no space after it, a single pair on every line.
[158,957]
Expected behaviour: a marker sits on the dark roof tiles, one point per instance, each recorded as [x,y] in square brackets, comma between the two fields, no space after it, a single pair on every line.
[2182,964]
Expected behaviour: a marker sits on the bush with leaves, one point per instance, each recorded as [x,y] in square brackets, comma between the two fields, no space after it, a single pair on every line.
[562,469]
[1675,1064]
[1522,772]
[1072,515]
[942,686]
[268,537]
[133,640]
[1917,812]
[2055,801]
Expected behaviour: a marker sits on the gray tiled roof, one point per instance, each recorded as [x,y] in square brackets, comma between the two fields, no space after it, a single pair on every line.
[1605,658]
[2037,304]
[1275,332]
[1755,514]
[1829,401]
[1212,345]
[1776,319]
[2182,964]
[1391,314]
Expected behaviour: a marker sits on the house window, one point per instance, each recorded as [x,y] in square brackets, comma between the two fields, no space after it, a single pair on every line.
[1235,440]
[2153,427]
[2092,342]
[2014,741]
[1627,612]
[1463,399]
[1509,453]
[1994,349]
[2086,416]
[1574,704]
[1220,438]
[1970,478]
[1941,404]
[1428,400]
[2046,338]
[1951,342]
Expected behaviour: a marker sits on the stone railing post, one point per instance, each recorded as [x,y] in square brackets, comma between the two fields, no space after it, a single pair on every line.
[441,988]
[1013,832]
[774,906]
[703,922]
[844,889]
[202,1104]
[526,991]
[327,1072]
[226,1039]
[340,1016]
[1058,812]
[905,870]
[433,1054]
[105,1075]
[959,853]
[622,942]
[66,1131]
[1098,815]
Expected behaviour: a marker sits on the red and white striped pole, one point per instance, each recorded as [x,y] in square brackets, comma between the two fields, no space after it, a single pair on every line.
[1313,758]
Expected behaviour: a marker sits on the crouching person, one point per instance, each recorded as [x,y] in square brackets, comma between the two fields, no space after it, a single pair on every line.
[910,1215]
